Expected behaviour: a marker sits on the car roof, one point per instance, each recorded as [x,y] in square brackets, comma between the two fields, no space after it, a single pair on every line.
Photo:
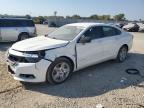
[85,25]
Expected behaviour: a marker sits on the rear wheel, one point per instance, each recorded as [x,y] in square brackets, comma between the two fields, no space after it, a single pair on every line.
[59,71]
[122,55]
[23,37]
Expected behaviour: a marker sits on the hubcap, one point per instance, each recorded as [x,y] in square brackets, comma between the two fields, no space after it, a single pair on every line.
[123,54]
[60,72]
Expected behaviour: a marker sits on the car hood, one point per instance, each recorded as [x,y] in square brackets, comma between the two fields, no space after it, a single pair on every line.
[38,43]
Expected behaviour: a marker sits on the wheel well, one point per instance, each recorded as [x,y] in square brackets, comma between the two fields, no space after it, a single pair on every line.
[69,60]
[125,45]
[23,33]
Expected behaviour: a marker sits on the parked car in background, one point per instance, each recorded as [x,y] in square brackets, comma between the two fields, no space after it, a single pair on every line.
[52,24]
[120,25]
[70,48]
[131,27]
[141,27]
[16,29]
[45,22]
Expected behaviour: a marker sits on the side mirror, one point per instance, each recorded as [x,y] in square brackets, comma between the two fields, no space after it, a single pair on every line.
[85,39]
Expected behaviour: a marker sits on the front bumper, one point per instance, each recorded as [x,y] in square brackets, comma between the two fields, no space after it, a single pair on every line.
[29,72]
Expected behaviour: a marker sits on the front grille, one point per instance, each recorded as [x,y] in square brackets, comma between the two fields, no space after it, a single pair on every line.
[16,58]
[23,59]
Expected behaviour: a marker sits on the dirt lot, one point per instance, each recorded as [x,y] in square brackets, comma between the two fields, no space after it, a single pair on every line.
[107,84]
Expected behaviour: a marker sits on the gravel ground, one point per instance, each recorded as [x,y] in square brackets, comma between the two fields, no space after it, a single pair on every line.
[107,84]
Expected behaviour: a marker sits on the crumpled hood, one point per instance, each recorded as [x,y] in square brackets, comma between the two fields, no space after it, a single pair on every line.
[38,43]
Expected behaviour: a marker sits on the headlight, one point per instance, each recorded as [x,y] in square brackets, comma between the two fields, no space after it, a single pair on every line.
[34,54]
[41,54]
[26,57]
[34,57]
[30,55]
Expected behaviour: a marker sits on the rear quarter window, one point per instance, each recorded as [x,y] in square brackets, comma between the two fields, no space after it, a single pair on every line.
[27,23]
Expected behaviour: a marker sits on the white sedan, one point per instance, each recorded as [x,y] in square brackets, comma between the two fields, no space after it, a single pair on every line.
[71,47]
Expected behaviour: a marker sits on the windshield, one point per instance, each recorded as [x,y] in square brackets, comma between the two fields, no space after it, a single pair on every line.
[66,33]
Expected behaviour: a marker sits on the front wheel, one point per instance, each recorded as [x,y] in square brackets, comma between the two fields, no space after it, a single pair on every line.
[59,71]
[122,54]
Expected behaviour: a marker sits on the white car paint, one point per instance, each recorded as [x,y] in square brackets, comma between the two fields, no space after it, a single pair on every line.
[141,25]
[82,54]
[39,43]
[129,25]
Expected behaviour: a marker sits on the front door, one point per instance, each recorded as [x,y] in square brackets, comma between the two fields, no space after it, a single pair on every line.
[91,52]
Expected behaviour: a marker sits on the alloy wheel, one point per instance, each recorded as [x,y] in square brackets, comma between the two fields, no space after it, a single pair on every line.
[60,72]
[123,54]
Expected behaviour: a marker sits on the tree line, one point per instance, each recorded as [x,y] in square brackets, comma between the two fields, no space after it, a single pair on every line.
[118,17]
[41,19]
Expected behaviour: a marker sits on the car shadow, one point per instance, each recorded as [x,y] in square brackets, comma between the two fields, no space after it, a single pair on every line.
[96,80]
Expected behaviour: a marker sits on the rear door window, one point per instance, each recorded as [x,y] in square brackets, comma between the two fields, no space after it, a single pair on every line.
[110,31]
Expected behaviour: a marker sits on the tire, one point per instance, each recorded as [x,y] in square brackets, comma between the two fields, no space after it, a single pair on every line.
[55,73]
[52,24]
[122,54]
[23,37]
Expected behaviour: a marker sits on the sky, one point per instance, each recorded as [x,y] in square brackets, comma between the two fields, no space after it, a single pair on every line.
[133,9]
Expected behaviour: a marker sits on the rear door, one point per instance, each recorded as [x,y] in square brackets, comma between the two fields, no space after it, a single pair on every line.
[9,30]
[112,43]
